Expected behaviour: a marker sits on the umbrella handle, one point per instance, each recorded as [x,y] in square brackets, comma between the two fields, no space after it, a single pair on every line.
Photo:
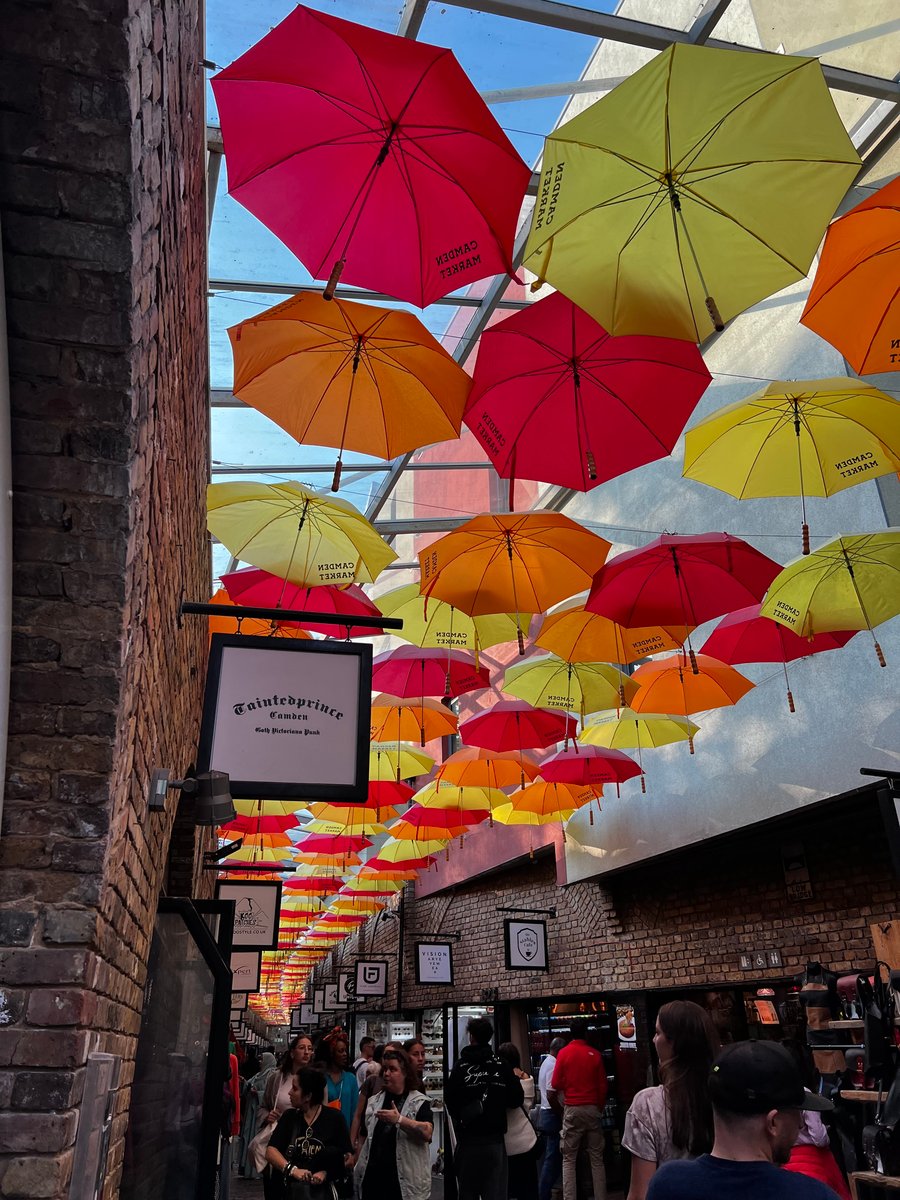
[643,784]
[336,481]
[714,315]
[880,653]
[336,272]
[790,696]
[591,465]
[805,538]
[691,744]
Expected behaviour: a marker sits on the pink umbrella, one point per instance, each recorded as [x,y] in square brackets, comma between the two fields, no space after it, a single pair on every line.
[746,637]
[590,764]
[413,671]
[558,399]
[515,725]
[257,588]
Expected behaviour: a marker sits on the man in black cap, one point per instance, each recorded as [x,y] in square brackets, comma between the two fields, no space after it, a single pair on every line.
[757,1096]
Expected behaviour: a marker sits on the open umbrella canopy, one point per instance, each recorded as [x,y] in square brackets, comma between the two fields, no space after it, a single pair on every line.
[376,869]
[348,375]
[415,671]
[576,635]
[272,823]
[515,725]
[370,154]
[549,682]
[458,798]
[231,621]
[850,583]
[673,685]
[511,562]
[435,623]
[328,845]
[407,851]
[681,580]
[593,765]
[349,819]
[553,801]
[556,398]
[475,766]
[254,587]
[296,533]
[809,437]
[746,636]
[281,808]
[420,824]
[397,719]
[387,762]
[854,301]
[698,186]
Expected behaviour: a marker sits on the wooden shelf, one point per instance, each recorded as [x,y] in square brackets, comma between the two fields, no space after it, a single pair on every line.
[873,1179]
[854,1024]
[863,1095]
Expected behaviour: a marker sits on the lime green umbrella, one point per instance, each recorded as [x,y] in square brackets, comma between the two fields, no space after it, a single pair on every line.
[700,185]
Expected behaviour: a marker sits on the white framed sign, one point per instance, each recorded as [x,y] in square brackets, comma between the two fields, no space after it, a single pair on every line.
[319,1001]
[288,718]
[332,1000]
[307,1014]
[256,912]
[238,1001]
[346,987]
[434,962]
[371,977]
[526,945]
[245,970]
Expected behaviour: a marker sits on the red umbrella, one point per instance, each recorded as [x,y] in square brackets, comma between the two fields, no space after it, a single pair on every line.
[515,725]
[413,671]
[558,399]
[257,588]
[746,637]
[310,884]
[263,824]
[681,580]
[408,867]
[590,765]
[371,155]
[330,844]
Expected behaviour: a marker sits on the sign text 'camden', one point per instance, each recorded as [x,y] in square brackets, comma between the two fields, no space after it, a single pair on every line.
[551,182]
[457,259]
[269,702]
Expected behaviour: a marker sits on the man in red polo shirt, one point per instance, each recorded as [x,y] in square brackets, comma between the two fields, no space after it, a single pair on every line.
[580,1075]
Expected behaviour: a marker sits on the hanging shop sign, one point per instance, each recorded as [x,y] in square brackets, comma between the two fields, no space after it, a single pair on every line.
[238,1001]
[526,945]
[245,970]
[288,719]
[371,977]
[319,1004]
[256,909]
[346,987]
[307,1014]
[332,999]
[434,962]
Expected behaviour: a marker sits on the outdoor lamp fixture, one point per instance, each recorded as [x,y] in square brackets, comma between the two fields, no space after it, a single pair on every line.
[211,791]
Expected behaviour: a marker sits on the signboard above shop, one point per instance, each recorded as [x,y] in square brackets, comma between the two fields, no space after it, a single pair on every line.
[288,719]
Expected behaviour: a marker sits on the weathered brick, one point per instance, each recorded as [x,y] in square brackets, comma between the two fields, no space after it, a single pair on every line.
[69,925]
[39,966]
[16,927]
[40,1132]
[46,1090]
[36,1178]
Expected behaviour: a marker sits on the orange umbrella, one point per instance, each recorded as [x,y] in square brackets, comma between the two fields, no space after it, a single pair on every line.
[670,685]
[578,636]
[512,563]
[394,719]
[854,302]
[473,766]
[336,373]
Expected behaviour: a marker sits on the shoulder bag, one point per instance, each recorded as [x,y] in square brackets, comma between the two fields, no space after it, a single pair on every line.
[521,1136]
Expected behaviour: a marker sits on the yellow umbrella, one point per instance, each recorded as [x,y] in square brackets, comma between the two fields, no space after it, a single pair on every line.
[626,729]
[336,373]
[264,808]
[575,635]
[549,682]
[510,562]
[373,884]
[297,534]
[700,185]
[809,437]
[388,762]
[405,851]
[437,623]
[394,718]
[475,766]
[352,819]
[464,798]
[852,582]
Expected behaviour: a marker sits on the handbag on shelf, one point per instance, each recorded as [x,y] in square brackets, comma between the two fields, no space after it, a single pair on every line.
[881,1141]
[877,1005]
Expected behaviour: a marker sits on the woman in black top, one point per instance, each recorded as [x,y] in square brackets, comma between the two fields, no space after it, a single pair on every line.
[311,1143]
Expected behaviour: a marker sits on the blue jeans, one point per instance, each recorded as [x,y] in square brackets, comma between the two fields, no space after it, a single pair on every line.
[549,1125]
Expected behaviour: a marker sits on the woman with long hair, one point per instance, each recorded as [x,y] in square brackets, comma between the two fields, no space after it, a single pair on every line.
[276,1099]
[333,1055]
[673,1120]
[310,1143]
[394,1162]
[520,1138]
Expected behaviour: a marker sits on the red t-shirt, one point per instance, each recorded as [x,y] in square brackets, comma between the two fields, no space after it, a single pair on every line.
[580,1074]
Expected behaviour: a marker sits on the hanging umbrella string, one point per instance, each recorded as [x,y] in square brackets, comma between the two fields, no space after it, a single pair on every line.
[797,426]
[790,694]
[687,608]
[339,465]
[879,652]
[512,571]
[580,416]
[711,307]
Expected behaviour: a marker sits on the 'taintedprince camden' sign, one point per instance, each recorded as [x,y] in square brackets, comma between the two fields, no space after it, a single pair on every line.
[288,718]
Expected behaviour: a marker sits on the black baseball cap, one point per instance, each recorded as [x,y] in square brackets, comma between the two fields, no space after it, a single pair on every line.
[755,1077]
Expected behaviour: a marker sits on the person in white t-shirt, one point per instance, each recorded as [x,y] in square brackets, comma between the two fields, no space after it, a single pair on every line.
[549,1124]
[362,1064]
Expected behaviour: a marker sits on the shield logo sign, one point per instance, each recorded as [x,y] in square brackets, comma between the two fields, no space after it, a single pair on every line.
[527,943]
[371,978]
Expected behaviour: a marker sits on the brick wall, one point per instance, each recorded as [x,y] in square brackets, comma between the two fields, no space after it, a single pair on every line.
[103,220]
[678,923]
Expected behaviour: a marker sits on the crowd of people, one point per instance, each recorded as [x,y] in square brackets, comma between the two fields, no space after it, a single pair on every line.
[735,1122]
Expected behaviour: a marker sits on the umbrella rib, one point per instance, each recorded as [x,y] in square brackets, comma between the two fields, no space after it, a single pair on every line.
[891,249]
[877,330]
[703,202]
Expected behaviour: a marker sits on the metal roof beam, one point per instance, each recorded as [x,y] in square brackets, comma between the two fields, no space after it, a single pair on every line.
[411,18]
[543,91]
[706,21]
[655,37]
[345,293]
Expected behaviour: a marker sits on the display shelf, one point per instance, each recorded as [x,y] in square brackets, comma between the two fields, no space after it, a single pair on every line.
[863,1095]
[871,1180]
